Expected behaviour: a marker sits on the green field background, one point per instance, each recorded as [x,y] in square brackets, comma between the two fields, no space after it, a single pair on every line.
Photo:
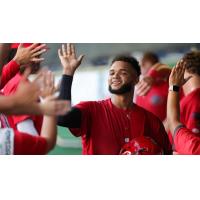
[65,134]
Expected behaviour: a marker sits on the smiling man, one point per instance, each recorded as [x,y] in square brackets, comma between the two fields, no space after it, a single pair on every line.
[105,126]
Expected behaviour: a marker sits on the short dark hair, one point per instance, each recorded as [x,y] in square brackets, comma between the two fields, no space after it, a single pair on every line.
[192,62]
[150,56]
[129,59]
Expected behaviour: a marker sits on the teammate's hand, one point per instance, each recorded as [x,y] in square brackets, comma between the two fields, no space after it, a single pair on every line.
[68,59]
[47,87]
[25,55]
[52,106]
[144,86]
[177,75]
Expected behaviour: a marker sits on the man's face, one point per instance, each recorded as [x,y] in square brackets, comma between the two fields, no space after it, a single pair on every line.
[122,78]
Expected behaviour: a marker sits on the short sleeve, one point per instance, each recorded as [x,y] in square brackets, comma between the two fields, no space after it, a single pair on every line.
[86,113]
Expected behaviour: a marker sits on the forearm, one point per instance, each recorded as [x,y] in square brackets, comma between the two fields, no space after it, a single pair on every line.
[49,131]
[11,105]
[9,71]
[71,119]
[173,110]
[7,104]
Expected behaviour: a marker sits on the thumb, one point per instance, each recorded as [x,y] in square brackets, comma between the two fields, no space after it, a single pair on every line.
[80,58]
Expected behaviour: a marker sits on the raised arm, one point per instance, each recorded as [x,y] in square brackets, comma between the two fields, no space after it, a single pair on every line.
[176,80]
[70,63]
[24,55]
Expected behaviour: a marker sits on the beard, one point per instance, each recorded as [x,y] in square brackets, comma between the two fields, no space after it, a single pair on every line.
[124,89]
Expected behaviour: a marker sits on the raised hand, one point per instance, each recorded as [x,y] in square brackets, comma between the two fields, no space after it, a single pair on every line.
[177,75]
[52,106]
[143,87]
[29,54]
[68,59]
[47,86]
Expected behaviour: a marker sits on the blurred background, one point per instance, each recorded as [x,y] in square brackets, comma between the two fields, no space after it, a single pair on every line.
[90,80]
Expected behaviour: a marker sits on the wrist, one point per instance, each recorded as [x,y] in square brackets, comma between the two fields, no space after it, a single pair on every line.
[174,88]
[68,72]
[17,60]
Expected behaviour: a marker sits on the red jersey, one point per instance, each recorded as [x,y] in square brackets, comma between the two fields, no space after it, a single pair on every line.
[156,99]
[186,142]
[105,128]
[8,72]
[11,88]
[190,111]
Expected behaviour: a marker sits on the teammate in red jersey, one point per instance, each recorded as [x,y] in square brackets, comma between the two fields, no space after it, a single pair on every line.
[25,55]
[105,126]
[190,107]
[185,141]
[152,90]
[15,142]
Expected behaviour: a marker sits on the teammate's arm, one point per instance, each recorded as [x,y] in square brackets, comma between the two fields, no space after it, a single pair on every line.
[173,108]
[185,141]
[24,55]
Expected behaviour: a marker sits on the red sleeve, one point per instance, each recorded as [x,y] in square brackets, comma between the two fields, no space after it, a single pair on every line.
[158,133]
[25,144]
[85,108]
[186,142]
[8,72]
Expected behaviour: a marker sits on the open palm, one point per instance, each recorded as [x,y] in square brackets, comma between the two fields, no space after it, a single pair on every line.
[68,59]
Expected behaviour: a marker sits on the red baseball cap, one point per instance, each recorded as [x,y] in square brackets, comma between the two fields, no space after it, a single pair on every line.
[141,145]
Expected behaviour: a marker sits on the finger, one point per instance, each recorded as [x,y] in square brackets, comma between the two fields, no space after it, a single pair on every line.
[38,53]
[68,49]
[80,58]
[33,46]
[73,50]
[37,60]
[42,46]
[21,45]
[64,51]
[144,91]
[144,88]
[141,84]
[60,53]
